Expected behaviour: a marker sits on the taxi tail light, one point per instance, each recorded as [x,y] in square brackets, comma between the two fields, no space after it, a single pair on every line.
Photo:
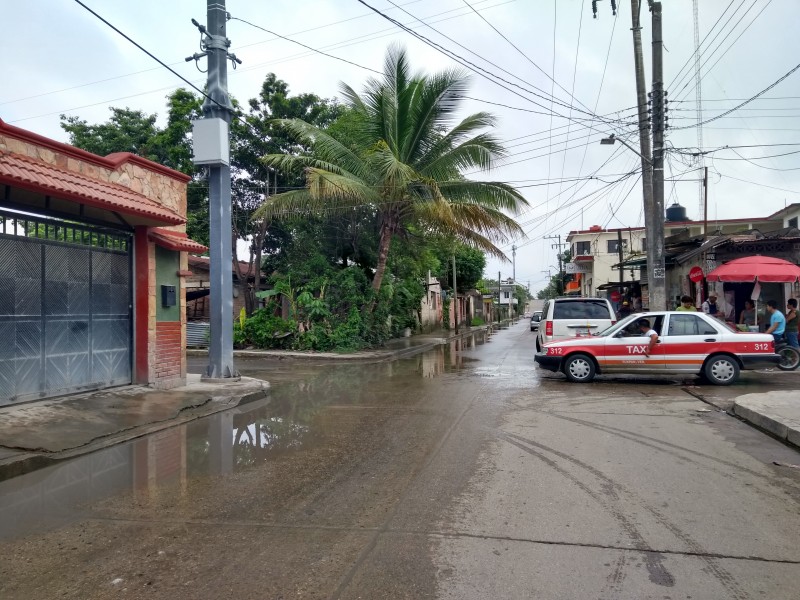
[548,328]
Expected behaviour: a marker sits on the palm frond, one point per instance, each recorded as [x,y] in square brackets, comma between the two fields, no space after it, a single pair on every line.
[325,147]
[494,194]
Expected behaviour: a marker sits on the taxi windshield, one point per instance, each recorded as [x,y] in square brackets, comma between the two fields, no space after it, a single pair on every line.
[612,329]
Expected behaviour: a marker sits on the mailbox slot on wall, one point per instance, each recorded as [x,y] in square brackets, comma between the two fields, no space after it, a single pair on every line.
[168,296]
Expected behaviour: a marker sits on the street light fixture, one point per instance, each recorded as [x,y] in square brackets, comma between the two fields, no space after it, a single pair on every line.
[612,139]
[654,227]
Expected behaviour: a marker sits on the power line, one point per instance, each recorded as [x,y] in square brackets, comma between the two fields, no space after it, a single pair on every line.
[154,57]
[733,43]
[305,46]
[677,81]
[761,93]
[464,62]
[525,56]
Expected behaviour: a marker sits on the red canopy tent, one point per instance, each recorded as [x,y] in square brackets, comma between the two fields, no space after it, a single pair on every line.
[764,269]
[758,269]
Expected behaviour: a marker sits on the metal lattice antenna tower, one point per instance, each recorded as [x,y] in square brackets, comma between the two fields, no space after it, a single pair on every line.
[698,90]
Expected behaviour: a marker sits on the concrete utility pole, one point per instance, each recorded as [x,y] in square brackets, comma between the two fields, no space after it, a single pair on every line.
[455,294]
[558,246]
[499,295]
[621,259]
[514,263]
[657,280]
[211,140]
[651,217]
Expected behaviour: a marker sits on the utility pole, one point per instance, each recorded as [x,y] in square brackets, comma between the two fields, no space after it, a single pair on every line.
[657,280]
[499,296]
[455,294]
[211,145]
[621,258]
[705,203]
[514,263]
[558,246]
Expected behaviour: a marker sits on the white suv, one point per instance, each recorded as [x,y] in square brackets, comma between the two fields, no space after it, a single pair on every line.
[564,318]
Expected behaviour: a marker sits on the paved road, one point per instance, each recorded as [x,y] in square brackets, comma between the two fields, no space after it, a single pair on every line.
[459,473]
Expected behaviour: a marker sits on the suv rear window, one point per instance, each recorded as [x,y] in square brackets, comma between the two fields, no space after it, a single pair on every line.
[585,309]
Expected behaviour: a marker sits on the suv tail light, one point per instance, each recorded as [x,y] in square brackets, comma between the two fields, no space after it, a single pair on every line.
[548,328]
[613,322]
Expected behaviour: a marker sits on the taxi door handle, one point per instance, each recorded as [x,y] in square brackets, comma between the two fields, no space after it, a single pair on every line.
[710,340]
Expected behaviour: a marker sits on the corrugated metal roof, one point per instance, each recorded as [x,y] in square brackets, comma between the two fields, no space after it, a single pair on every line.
[25,172]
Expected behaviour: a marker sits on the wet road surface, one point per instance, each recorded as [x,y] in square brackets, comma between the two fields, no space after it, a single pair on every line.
[462,472]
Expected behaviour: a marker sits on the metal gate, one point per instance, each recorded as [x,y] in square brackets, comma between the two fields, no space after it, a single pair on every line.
[65,307]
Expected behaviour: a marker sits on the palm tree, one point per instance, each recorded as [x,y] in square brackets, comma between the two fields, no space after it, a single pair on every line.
[403,161]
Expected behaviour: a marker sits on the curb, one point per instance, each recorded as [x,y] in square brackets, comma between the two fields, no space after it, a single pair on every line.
[781,428]
[373,356]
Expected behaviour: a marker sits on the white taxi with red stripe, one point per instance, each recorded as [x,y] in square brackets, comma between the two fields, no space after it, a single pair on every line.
[688,343]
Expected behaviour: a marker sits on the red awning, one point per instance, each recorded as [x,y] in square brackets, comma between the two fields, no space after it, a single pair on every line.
[27,173]
[765,269]
[175,240]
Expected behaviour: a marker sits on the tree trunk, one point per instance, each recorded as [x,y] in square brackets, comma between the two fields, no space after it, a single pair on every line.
[387,231]
[383,256]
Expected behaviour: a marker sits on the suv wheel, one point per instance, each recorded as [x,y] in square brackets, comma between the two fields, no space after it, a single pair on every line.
[579,368]
[538,345]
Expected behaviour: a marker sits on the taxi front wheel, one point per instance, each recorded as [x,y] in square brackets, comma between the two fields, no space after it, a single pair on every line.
[579,368]
[722,370]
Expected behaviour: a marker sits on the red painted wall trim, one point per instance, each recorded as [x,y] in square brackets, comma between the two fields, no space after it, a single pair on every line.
[141,308]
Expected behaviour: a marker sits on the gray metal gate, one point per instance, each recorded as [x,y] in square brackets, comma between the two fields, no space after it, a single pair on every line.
[65,308]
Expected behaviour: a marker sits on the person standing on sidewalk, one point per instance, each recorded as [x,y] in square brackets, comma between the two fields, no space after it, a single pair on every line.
[792,321]
[748,316]
[687,304]
[710,306]
[777,322]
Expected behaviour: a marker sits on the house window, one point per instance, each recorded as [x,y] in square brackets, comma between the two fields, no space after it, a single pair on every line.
[613,246]
[583,248]
[792,222]
[506,295]
[644,244]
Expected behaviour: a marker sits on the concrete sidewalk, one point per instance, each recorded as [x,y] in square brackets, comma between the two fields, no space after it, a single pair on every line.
[37,434]
[777,413]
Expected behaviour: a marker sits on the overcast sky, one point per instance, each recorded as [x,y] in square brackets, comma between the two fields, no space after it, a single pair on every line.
[58,58]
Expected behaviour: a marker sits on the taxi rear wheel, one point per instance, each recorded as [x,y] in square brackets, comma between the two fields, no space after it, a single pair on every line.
[722,370]
[579,368]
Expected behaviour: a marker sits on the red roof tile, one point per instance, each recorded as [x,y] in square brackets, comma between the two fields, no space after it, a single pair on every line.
[25,172]
[175,240]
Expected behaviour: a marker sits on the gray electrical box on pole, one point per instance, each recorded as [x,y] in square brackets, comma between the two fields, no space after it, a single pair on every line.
[211,147]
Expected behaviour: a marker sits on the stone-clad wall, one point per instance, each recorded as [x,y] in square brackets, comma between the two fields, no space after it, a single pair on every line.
[139,175]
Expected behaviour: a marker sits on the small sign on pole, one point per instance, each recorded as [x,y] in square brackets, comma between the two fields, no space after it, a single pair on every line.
[696,274]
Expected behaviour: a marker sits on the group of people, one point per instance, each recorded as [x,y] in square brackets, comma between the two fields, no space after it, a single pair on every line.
[780,325]
[709,306]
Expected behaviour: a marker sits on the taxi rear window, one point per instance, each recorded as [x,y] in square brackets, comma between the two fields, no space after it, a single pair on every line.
[581,310]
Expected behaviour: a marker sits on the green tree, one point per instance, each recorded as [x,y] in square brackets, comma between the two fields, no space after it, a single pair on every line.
[252,181]
[403,161]
[136,132]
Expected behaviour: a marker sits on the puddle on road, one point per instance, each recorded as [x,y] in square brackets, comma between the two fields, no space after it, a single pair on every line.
[226,442]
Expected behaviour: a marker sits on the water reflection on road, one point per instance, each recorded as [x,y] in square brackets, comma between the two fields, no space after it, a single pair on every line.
[225,442]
